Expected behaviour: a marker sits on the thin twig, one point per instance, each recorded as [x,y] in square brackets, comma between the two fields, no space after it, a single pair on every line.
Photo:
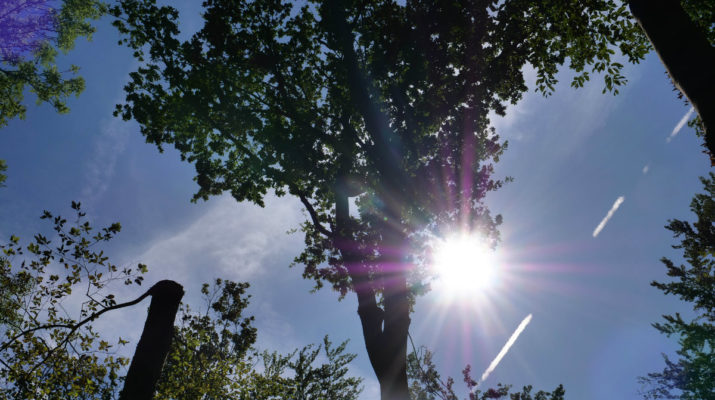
[419,365]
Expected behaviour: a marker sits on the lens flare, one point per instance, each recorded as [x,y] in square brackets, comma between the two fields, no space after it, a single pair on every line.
[464,265]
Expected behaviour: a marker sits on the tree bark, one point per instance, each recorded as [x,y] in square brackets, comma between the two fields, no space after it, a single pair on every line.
[153,346]
[686,53]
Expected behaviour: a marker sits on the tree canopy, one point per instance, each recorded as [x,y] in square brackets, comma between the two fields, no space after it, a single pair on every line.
[48,348]
[377,100]
[426,383]
[692,375]
[32,34]
[212,357]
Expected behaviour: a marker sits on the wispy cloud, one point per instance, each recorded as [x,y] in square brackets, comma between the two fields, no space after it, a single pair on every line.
[231,240]
[608,216]
[646,168]
[107,149]
[239,242]
[506,347]
[680,124]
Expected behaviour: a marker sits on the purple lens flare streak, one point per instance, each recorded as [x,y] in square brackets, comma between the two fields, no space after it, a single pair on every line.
[25,25]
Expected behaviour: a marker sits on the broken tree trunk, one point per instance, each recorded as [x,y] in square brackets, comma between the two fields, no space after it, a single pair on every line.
[153,346]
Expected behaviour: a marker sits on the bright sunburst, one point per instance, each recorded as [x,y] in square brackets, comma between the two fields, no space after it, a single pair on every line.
[464,266]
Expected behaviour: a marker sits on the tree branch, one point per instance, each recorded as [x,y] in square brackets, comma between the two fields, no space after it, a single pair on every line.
[387,151]
[72,328]
[314,215]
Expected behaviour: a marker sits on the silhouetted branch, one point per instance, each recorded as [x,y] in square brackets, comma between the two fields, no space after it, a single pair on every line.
[314,216]
[72,327]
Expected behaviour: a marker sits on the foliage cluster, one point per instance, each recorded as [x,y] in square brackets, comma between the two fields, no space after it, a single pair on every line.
[3,168]
[692,375]
[47,348]
[32,34]
[702,13]
[426,383]
[212,358]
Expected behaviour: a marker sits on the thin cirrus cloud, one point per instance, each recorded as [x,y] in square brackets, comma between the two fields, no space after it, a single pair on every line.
[108,147]
[231,240]
[680,124]
[608,216]
[506,347]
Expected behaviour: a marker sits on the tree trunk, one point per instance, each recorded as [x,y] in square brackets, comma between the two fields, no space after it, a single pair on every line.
[153,346]
[393,377]
[385,330]
[393,382]
[686,53]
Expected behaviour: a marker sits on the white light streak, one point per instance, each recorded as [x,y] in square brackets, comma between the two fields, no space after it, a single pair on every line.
[680,124]
[506,347]
[608,216]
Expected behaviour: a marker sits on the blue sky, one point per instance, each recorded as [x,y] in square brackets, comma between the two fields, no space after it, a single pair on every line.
[572,155]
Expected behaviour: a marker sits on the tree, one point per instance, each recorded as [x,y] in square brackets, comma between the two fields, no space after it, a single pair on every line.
[212,358]
[47,348]
[32,34]
[374,100]
[683,34]
[50,350]
[3,168]
[692,376]
[209,357]
[305,382]
[427,384]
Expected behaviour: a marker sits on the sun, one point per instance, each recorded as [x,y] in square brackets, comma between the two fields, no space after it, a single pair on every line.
[464,265]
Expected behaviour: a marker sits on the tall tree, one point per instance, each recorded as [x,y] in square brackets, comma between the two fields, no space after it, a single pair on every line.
[383,102]
[32,34]
[683,34]
[692,375]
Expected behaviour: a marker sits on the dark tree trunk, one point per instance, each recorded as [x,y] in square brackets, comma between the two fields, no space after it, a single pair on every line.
[393,382]
[153,346]
[686,53]
[386,329]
